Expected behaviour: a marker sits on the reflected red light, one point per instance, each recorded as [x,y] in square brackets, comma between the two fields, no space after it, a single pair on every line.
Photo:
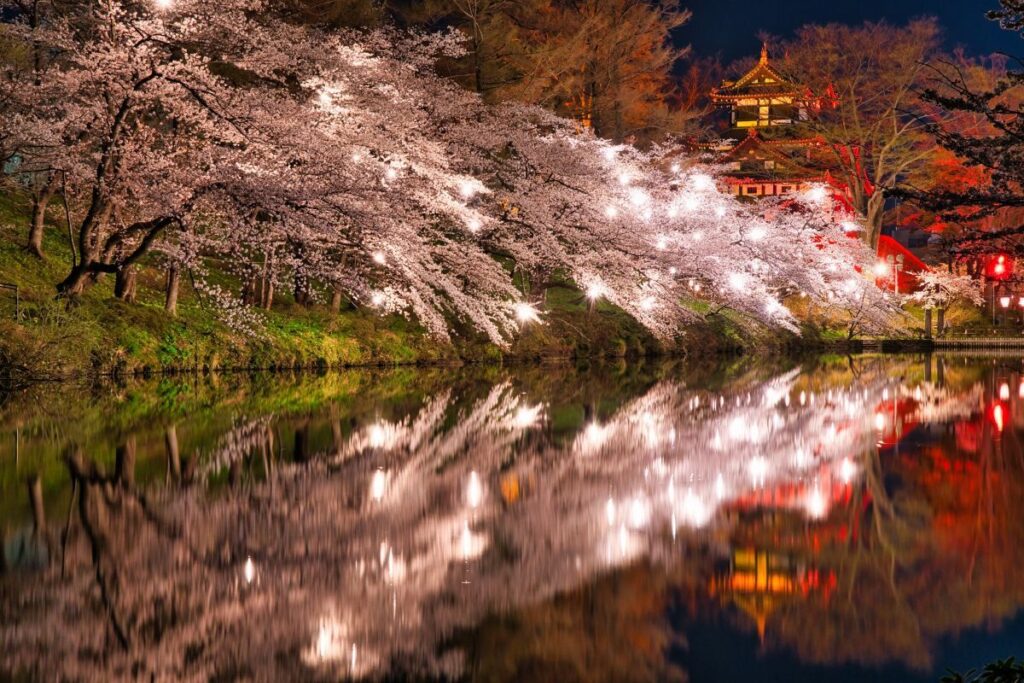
[997,416]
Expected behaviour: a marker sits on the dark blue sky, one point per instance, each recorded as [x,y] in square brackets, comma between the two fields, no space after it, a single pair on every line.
[730,27]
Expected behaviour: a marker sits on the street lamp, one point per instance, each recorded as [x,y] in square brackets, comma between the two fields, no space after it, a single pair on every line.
[896,263]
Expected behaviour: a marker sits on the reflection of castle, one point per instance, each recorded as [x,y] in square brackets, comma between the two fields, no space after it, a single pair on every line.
[756,581]
[768,564]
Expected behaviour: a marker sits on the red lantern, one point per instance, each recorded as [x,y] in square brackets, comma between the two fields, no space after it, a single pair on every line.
[999,267]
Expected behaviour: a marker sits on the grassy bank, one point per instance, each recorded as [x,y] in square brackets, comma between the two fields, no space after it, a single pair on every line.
[99,334]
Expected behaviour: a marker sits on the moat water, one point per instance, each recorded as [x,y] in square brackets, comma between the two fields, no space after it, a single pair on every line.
[841,519]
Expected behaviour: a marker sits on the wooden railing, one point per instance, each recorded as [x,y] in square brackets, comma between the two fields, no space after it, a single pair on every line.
[979,342]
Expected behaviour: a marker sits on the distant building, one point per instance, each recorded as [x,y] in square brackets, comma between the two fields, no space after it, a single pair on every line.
[766,151]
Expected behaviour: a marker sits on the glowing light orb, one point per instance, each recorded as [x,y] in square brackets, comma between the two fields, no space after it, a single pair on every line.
[248,570]
[379,258]
[378,484]
[738,281]
[758,469]
[525,313]
[611,212]
[474,491]
[378,299]
[815,504]
[881,268]
[817,194]
[695,512]
[847,470]
[702,182]
[595,291]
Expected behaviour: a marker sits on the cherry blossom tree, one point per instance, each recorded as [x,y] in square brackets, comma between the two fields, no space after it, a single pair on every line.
[339,162]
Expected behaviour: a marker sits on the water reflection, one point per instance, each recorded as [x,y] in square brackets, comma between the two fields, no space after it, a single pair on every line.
[501,525]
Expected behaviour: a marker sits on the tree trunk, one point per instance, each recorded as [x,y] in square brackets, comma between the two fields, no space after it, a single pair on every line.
[337,437]
[76,281]
[336,300]
[301,290]
[268,294]
[171,299]
[874,212]
[124,462]
[173,456]
[124,284]
[39,204]
[927,323]
[940,324]
[35,495]
[302,443]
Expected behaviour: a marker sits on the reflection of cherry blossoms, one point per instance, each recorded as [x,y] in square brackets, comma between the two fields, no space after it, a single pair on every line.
[365,559]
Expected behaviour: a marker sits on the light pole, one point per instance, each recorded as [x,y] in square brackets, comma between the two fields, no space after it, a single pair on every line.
[896,263]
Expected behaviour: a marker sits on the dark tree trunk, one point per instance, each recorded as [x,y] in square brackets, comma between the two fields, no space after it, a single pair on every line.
[76,282]
[336,300]
[250,292]
[302,443]
[124,284]
[337,437]
[940,324]
[301,290]
[927,323]
[39,204]
[171,298]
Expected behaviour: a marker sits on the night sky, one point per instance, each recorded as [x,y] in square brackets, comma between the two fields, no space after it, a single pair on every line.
[729,28]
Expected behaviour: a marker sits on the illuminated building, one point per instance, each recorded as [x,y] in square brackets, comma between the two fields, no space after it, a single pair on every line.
[763,151]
